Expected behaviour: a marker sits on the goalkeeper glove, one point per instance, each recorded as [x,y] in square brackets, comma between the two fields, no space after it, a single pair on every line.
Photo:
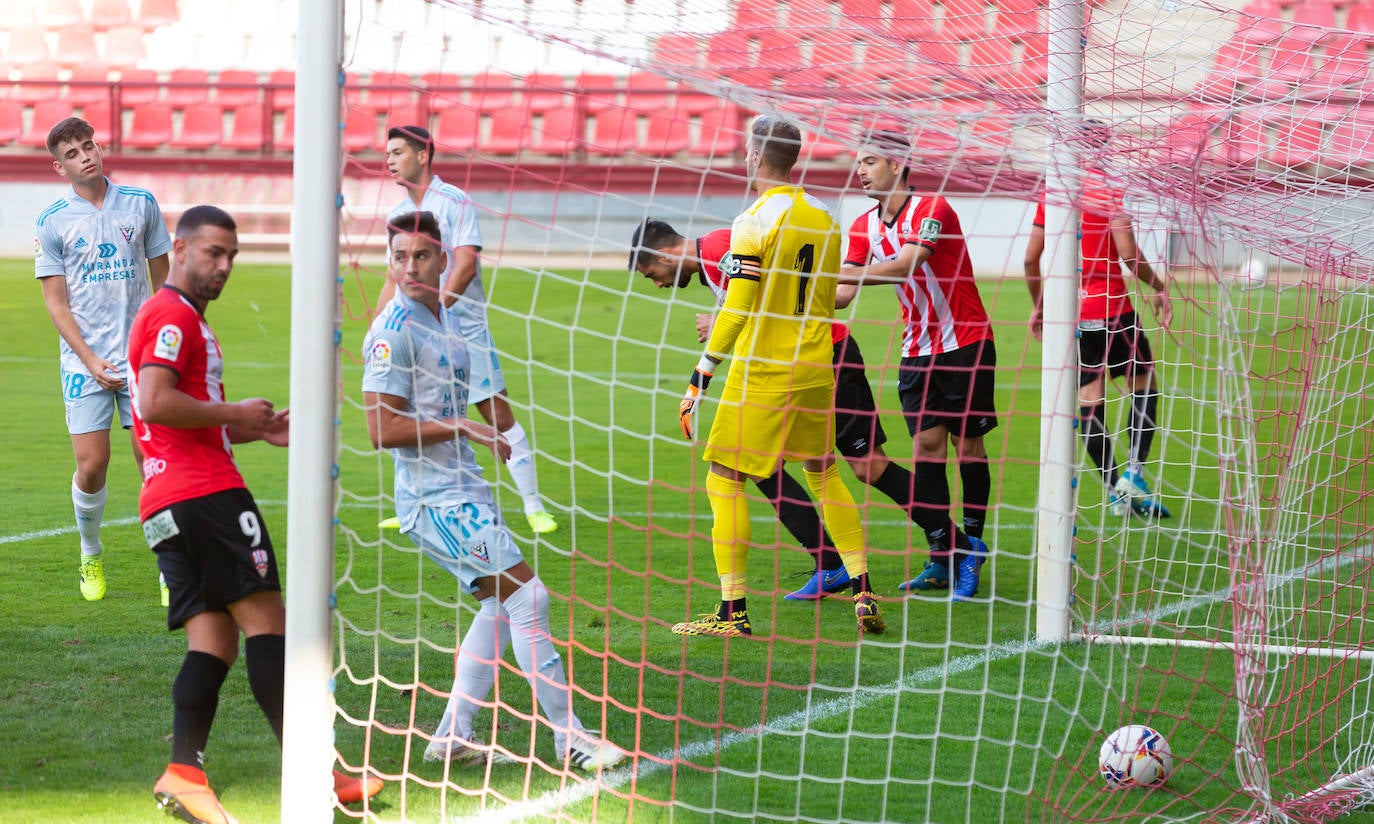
[701,378]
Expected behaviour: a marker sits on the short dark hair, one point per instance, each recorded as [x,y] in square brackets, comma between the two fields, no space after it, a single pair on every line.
[412,223]
[777,140]
[894,147]
[651,236]
[71,128]
[198,216]
[416,137]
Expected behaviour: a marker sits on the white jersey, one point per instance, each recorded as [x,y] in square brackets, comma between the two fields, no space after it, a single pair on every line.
[103,254]
[410,354]
[457,216]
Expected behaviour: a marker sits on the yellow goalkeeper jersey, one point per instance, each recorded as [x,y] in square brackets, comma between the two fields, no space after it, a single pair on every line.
[790,243]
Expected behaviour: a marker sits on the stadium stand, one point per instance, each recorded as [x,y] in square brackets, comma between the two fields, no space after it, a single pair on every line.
[107,14]
[138,86]
[597,92]
[150,127]
[507,130]
[562,131]
[11,121]
[282,86]
[38,82]
[187,87]
[87,85]
[251,129]
[541,92]
[27,45]
[457,130]
[153,14]
[236,87]
[202,128]
[60,13]
[125,45]
[44,116]
[76,47]
[1297,142]
[615,132]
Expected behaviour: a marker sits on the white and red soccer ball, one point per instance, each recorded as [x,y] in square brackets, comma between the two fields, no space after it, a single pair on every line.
[1135,756]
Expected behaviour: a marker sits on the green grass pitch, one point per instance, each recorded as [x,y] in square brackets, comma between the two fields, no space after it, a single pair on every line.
[955,715]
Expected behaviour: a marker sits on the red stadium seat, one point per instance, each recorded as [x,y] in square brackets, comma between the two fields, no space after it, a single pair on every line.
[615,132]
[76,47]
[88,85]
[720,134]
[1343,63]
[390,90]
[756,14]
[125,46]
[562,132]
[1035,59]
[202,127]
[360,131]
[1351,142]
[28,46]
[867,13]
[150,128]
[832,50]
[1291,61]
[728,51]
[647,92]
[541,92]
[11,121]
[187,87]
[155,13]
[443,89]
[37,84]
[1015,17]
[61,13]
[457,130]
[251,130]
[16,15]
[1360,17]
[911,19]
[236,87]
[138,86]
[1245,140]
[666,135]
[1189,136]
[1316,13]
[491,91]
[101,117]
[994,61]
[820,147]
[283,86]
[675,49]
[47,114]
[1297,142]
[510,131]
[779,52]
[106,14]
[690,102]
[410,115]
[599,91]
[964,20]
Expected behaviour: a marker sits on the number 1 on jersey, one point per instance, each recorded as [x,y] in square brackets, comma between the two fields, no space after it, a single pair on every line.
[806,262]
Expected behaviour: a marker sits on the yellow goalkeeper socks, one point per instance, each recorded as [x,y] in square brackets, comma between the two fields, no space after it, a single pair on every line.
[842,519]
[730,533]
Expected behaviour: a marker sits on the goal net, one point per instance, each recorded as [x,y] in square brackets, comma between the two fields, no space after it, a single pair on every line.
[1238,626]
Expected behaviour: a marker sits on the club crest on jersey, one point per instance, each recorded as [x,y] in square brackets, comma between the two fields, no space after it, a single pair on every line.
[479,552]
[930,229]
[260,562]
[128,233]
[37,249]
[168,344]
[379,359]
[729,265]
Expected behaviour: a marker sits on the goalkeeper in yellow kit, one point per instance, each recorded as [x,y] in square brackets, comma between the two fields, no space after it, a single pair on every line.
[777,405]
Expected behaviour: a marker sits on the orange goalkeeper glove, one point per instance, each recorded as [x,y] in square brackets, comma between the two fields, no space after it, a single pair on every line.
[701,378]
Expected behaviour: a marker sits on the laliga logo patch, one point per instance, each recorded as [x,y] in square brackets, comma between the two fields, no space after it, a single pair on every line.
[260,562]
[930,229]
[168,343]
[379,358]
[128,233]
[37,249]
[480,553]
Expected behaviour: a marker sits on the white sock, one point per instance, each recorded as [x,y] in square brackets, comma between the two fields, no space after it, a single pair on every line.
[90,511]
[528,608]
[521,468]
[479,657]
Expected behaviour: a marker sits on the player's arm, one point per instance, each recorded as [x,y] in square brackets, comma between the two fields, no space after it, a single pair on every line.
[465,260]
[161,402]
[1124,237]
[845,294]
[60,310]
[158,268]
[1035,248]
[897,270]
[391,425]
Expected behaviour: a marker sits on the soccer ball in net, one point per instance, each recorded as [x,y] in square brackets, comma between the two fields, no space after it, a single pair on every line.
[1135,756]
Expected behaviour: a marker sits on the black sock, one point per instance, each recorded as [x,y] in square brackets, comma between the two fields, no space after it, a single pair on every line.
[898,484]
[860,584]
[265,657]
[1093,421]
[799,515]
[1144,410]
[729,609]
[930,510]
[195,697]
[977,481]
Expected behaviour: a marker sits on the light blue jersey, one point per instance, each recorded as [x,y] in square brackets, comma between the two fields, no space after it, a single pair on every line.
[410,354]
[103,254]
[457,216]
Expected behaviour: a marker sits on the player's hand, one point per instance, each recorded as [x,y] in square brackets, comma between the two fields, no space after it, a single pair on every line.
[704,322]
[490,437]
[696,387]
[1162,305]
[105,373]
[255,417]
[278,433]
[1037,324]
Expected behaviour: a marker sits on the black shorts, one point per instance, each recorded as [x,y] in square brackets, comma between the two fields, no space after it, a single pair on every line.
[857,428]
[1119,348]
[952,389]
[213,551]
